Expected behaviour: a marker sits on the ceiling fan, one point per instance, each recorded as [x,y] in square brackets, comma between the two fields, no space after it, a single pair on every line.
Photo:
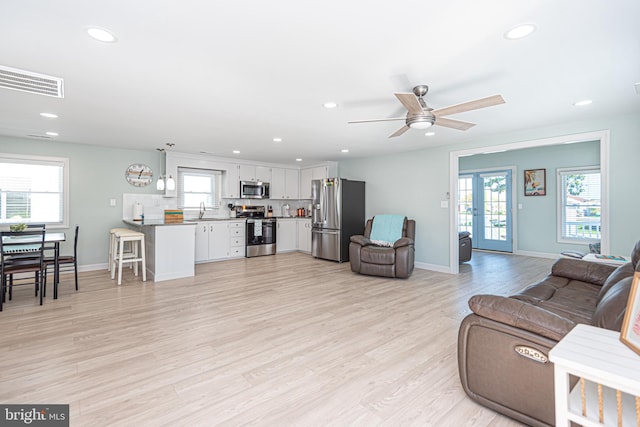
[421,116]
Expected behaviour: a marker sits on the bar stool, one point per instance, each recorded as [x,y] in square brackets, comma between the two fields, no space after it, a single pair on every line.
[136,240]
[112,244]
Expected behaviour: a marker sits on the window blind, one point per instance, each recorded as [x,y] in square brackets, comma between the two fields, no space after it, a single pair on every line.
[32,190]
[196,186]
[580,204]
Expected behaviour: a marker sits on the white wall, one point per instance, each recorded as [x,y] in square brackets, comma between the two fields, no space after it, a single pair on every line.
[414,183]
[536,230]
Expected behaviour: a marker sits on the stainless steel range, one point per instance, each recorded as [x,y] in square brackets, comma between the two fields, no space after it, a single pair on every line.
[260,232]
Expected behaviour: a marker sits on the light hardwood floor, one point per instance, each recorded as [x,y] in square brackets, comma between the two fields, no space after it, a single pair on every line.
[284,340]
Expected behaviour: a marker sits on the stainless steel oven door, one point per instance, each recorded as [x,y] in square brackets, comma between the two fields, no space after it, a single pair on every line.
[261,237]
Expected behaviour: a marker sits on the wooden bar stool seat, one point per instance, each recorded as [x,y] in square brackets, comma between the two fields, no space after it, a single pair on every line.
[112,243]
[137,254]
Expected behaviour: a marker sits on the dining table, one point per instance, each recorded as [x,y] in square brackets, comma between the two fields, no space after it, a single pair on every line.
[51,237]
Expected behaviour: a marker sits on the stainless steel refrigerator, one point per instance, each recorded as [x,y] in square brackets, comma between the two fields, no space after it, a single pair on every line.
[338,213]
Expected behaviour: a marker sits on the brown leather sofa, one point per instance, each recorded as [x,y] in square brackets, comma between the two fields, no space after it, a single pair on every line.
[397,261]
[504,344]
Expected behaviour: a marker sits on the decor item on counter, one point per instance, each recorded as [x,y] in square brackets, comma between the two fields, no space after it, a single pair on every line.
[138,175]
[270,211]
[138,212]
[630,332]
[285,210]
[535,182]
[301,212]
[18,227]
[173,216]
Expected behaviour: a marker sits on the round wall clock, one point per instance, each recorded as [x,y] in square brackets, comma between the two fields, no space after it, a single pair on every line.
[138,175]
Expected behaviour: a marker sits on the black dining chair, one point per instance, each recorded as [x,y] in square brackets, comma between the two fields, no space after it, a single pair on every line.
[12,246]
[66,262]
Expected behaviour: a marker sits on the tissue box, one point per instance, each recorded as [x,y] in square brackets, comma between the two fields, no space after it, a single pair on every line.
[173,216]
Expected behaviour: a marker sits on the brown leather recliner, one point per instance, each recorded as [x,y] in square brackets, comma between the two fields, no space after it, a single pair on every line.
[503,345]
[396,261]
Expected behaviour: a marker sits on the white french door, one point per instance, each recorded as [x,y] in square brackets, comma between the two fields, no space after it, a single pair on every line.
[484,209]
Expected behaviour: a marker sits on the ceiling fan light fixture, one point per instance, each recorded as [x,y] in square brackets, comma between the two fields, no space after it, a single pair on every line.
[420,125]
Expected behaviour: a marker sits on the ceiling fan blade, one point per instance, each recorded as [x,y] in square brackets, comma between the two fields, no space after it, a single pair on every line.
[471,105]
[399,132]
[453,124]
[377,120]
[410,102]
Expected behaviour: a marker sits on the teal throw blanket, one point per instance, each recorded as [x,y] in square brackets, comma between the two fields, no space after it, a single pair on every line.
[386,229]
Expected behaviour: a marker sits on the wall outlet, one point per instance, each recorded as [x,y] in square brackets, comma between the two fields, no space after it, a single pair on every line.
[444,204]
[112,202]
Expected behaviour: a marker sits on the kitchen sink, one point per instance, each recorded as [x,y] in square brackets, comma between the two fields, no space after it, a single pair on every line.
[208,219]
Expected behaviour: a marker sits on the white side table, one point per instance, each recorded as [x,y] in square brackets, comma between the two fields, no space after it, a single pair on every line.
[606,364]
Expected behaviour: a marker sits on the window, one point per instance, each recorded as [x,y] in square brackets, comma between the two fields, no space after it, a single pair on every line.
[465,203]
[196,186]
[33,189]
[579,204]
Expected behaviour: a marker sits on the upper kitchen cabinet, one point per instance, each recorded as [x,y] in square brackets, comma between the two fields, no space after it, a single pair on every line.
[330,170]
[284,184]
[255,173]
[231,183]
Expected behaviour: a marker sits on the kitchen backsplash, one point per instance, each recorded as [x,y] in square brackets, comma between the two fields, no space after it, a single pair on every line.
[153,206]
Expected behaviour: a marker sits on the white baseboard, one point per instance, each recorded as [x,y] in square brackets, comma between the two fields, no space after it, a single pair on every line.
[93,267]
[432,267]
[537,254]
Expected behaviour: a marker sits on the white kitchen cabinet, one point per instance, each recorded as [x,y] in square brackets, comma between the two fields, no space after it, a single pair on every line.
[216,240]
[255,173]
[237,239]
[286,235]
[306,175]
[304,234]
[232,182]
[284,184]
[309,174]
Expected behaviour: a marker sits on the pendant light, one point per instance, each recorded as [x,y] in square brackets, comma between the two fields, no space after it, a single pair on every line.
[163,181]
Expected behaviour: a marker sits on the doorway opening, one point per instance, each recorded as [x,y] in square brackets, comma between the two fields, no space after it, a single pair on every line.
[485,209]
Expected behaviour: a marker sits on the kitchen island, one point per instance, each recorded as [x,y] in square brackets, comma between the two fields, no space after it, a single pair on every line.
[170,248]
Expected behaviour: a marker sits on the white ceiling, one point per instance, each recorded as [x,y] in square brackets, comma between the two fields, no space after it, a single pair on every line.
[218,76]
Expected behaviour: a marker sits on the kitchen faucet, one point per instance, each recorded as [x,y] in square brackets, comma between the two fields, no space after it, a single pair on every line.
[202,209]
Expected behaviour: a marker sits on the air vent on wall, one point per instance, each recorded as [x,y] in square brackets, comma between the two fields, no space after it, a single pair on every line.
[27,81]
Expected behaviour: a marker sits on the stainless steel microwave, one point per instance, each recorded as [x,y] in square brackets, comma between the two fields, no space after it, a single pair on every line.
[254,190]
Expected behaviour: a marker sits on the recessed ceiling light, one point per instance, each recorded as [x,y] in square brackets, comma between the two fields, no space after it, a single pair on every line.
[49,115]
[236,151]
[344,150]
[277,139]
[298,160]
[330,104]
[520,31]
[52,133]
[102,35]
[582,103]
[429,134]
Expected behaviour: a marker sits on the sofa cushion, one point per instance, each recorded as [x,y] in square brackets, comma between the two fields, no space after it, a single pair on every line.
[585,271]
[610,311]
[618,274]
[521,315]
[378,255]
